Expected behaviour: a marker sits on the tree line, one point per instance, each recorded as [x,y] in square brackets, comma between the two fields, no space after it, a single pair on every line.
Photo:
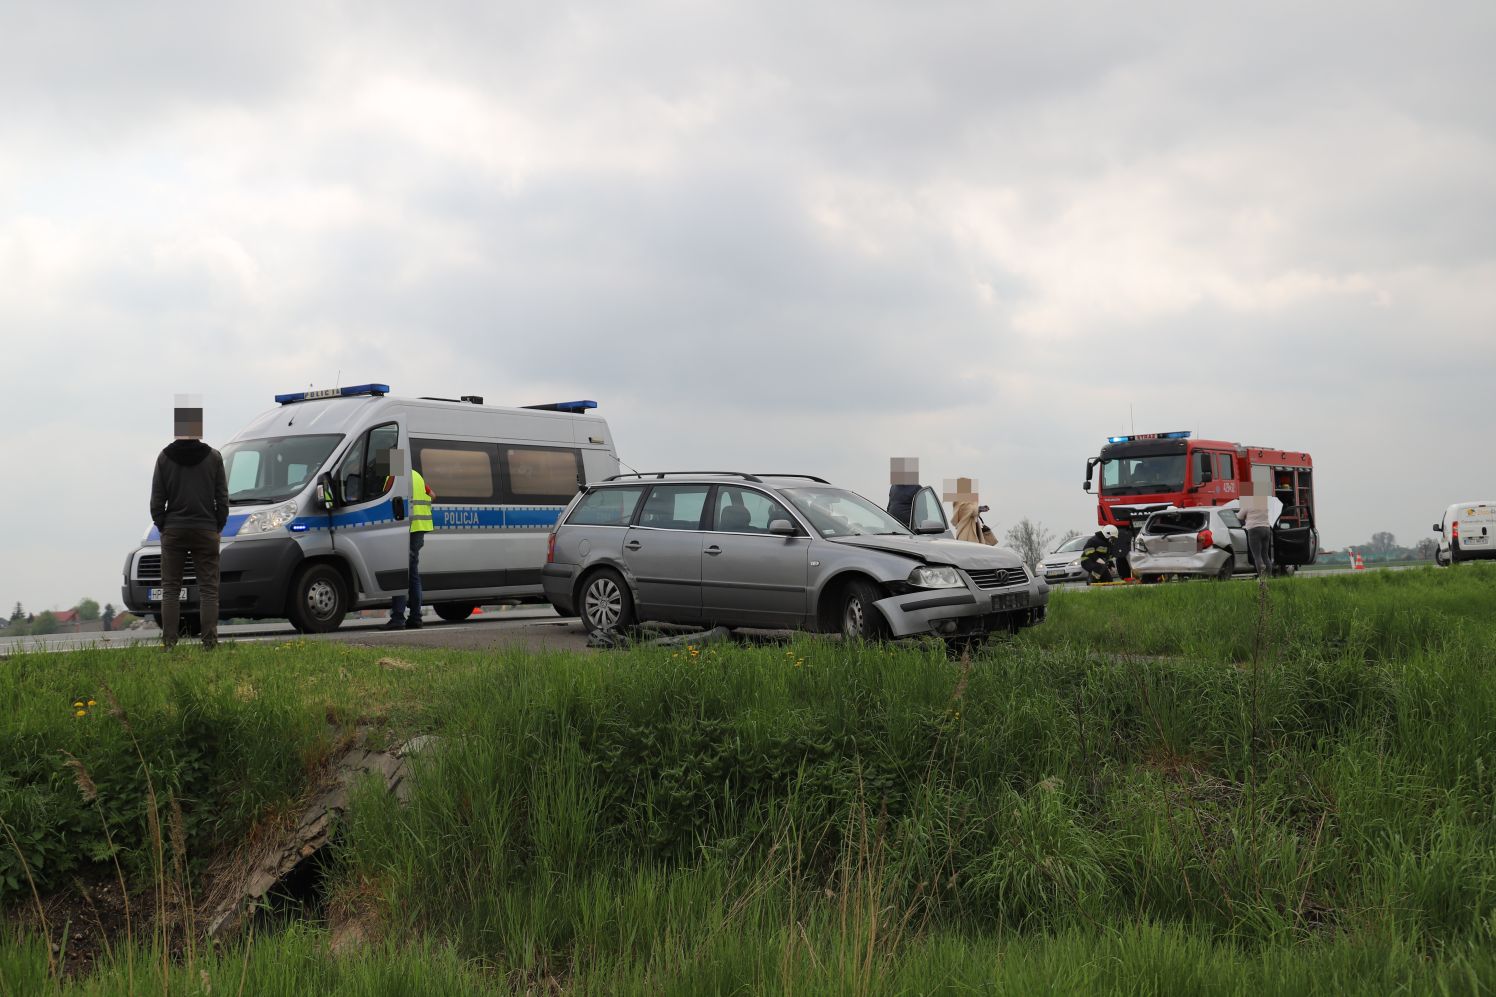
[23,624]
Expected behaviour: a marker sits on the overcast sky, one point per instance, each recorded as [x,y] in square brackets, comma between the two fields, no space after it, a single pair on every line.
[762,235]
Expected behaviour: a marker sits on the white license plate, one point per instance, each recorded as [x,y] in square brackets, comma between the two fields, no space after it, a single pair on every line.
[1010,600]
[1473,541]
[156,595]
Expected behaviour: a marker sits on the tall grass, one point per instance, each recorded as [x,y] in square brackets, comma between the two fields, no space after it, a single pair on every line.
[1122,798]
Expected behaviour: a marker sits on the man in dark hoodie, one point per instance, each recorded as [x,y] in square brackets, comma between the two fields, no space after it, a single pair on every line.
[189,505]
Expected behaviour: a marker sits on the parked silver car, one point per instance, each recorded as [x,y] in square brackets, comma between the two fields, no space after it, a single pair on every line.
[1063,563]
[773,551]
[1203,541]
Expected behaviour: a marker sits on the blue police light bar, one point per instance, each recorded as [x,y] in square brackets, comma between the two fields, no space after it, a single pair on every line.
[575,408]
[348,392]
[1181,435]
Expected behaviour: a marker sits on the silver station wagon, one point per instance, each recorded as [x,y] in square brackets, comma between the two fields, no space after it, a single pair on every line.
[773,551]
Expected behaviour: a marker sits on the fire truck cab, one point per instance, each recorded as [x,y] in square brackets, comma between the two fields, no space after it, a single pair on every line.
[1143,473]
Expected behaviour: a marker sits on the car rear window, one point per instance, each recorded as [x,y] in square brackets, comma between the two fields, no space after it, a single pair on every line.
[606,507]
[1169,523]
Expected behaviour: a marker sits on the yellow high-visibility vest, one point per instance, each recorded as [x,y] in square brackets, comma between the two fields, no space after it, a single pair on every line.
[420,504]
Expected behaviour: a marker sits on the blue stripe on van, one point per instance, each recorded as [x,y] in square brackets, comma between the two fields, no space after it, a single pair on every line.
[444,517]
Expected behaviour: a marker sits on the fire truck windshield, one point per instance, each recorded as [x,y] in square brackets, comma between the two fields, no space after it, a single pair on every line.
[1142,475]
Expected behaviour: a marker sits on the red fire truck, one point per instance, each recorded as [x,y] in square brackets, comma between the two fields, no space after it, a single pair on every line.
[1143,473]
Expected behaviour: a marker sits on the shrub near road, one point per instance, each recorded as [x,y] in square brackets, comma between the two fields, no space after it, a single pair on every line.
[1120,799]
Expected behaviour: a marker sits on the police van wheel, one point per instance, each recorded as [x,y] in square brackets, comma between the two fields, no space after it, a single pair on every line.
[606,604]
[319,599]
[455,612]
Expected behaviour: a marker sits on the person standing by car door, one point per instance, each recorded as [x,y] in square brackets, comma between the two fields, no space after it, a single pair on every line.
[421,523]
[1257,521]
[189,505]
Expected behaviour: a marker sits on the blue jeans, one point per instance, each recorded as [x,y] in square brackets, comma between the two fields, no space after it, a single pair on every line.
[397,605]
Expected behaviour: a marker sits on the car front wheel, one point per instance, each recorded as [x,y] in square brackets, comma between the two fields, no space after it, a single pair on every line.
[860,619]
[606,603]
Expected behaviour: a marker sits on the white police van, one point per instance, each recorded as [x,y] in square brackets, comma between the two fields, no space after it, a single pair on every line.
[317,522]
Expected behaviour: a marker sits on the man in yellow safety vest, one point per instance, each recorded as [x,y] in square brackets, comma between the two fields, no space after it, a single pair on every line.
[421,523]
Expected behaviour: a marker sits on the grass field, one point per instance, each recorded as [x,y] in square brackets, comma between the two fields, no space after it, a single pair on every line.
[1194,789]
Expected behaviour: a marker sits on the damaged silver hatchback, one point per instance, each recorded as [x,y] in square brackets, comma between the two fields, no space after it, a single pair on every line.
[773,551]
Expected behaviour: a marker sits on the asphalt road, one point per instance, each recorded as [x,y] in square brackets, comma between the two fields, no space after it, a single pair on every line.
[534,626]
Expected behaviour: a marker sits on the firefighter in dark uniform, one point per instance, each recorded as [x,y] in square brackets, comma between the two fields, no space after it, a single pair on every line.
[1100,555]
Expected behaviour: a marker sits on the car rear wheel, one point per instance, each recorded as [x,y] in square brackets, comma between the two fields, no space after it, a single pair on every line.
[455,612]
[860,619]
[319,599]
[606,604]
[1227,569]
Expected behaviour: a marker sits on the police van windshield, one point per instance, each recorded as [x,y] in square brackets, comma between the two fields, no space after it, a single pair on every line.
[1142,475]
[275,469]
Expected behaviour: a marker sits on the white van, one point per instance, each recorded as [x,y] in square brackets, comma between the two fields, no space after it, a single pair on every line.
[1467,532]
[317,525]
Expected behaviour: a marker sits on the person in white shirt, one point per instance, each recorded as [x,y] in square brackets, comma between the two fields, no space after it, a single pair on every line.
[1256,519]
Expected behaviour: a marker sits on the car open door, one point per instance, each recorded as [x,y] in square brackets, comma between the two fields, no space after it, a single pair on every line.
[1296,545]
[928,513]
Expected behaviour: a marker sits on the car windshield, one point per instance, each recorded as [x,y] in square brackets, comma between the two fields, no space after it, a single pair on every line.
[1073,544]
[836,512]
[275,469]
[1142,475]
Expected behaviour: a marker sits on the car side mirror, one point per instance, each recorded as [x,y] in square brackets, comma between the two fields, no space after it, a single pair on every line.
[398,505]
[325,495]
[782,528]
[931,526]
[1438,527]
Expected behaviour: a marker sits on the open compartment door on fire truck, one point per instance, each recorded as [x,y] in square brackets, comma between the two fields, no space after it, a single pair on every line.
[1295,537]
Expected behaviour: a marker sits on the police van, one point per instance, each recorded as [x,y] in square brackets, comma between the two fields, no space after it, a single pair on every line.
[319,490]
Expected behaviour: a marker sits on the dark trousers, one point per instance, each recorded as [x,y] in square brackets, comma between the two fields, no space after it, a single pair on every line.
[1098,568]
[176,544]
[398,604]
[1260,544]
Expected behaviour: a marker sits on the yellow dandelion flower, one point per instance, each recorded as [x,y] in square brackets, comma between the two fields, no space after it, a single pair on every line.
[80,713]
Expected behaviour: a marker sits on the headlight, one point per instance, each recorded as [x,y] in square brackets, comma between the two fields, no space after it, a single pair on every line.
[268,519]
[936,578]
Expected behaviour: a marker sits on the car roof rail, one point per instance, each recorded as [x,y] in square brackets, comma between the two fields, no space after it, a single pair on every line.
[658,475]
[808,477]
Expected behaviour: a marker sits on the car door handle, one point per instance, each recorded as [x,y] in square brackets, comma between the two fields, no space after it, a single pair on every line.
[632,545]
[713,549]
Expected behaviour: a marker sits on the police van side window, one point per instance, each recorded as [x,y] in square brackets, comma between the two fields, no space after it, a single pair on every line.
[350,473]
[541,475]
[459,472]
[380,441]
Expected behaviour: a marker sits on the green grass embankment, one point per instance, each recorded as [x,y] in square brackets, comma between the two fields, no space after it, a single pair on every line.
[1126,798]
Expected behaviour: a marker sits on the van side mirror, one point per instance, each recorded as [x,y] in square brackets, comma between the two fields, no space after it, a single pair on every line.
[397,504]
[1438,527]
[326,497]
[782,528]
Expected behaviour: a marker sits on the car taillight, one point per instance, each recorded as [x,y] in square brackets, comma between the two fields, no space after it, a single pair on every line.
[1204,540]
[550,549]
[1454,530]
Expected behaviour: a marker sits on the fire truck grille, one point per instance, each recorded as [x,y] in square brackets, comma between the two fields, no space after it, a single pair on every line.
[148,569]
[996,578]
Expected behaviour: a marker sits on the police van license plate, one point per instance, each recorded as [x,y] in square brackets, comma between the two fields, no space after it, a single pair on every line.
[1010,600]
[156,595]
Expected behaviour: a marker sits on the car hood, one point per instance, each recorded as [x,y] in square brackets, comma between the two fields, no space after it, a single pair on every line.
[961,553]
[1060,560]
